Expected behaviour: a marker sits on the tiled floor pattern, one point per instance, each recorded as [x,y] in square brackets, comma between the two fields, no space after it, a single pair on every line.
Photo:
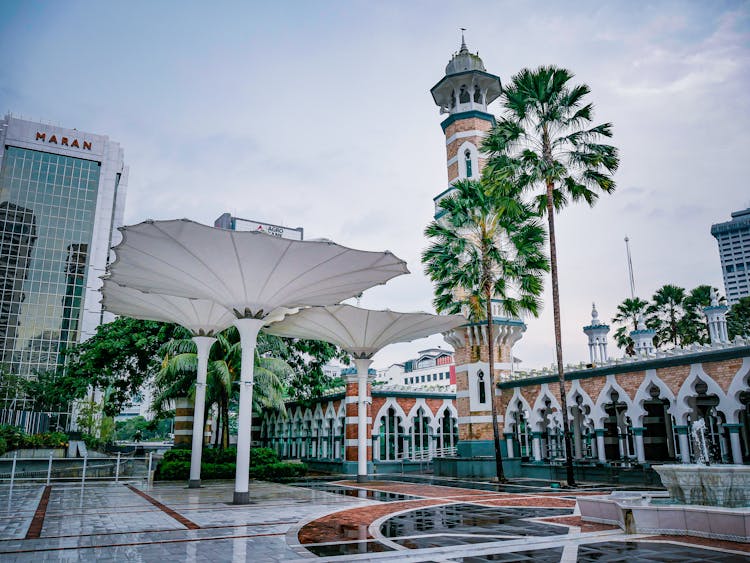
[323,520]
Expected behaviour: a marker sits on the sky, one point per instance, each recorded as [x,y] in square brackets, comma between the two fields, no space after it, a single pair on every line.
[318,114]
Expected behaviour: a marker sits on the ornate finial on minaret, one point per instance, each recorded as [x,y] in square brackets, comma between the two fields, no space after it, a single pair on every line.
[594,315]
[464,48]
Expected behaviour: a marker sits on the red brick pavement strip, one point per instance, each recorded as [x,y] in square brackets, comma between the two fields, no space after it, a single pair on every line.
[189,524]
[37,522]
[353,524]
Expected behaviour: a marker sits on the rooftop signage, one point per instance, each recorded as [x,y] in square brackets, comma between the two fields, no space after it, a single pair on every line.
[267,228]
[63,141]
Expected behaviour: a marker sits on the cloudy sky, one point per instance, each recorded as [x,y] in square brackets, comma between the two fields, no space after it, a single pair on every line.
[318,114]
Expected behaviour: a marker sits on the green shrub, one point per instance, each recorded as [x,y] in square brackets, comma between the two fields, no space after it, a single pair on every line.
[263,456]
[217,455]
[177,455]
[172,470]
[279,471]
[15,439]
[3,446]
[220,464]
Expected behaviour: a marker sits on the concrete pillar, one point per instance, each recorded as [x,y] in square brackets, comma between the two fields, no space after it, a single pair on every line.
[577,446]
[248,329]
[734,440]
[536,444]
[509,444]
[682,436]
[640,453]
[600,444]
[203,343]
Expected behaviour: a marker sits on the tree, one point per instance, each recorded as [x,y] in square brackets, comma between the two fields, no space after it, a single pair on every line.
[738,319]
[627,316]
[178,374]
[120,357]
[543,144]
[307,358]
[483,249]
[666,313]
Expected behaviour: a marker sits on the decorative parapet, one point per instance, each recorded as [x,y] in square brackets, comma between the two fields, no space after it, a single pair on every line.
[695,353]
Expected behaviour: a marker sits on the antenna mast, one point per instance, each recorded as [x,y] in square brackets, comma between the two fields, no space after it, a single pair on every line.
[630,269]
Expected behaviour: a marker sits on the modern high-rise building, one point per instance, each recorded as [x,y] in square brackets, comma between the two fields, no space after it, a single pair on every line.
[734,250]
[62,196]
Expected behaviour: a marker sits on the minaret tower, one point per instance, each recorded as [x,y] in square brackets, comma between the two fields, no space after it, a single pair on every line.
[597,333]
[464,94]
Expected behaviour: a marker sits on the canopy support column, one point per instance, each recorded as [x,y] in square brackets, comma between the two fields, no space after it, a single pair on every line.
[248,329]
[203,343]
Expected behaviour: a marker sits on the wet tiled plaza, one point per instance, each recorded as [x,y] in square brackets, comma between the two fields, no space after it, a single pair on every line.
[392,519]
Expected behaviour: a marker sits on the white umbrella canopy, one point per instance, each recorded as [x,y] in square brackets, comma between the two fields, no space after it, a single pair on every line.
[249,273]
[362,332]
[200,316]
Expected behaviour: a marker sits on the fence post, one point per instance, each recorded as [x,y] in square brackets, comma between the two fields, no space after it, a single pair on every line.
[83,475]
[117,469]
[49,468]
[13,469]
[150,462]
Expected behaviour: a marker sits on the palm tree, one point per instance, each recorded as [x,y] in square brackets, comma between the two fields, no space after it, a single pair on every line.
[627,316]
[544,143]
[667,311]
[178,374]
[483,249]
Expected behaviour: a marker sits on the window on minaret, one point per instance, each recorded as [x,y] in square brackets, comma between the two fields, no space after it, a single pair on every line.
[467,157]
[477,95]
[482,390]
[453,99]
[463,95]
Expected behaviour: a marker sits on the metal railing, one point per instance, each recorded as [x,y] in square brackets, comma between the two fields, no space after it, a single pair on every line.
[74,470]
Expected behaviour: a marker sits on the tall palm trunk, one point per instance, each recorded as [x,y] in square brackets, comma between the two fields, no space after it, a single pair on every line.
[491,370]
[224,422]
[558,336]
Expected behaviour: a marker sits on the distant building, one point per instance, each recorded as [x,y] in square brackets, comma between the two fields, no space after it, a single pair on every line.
[433,366]
[734,250]
[62,196]
[227,221]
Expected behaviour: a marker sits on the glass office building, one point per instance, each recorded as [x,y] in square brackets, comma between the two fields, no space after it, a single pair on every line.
[62,194]
[734,250]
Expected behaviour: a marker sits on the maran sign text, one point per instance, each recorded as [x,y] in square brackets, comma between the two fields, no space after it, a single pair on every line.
[64,141]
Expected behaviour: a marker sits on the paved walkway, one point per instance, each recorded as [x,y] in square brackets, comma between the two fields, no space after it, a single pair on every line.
[386,520]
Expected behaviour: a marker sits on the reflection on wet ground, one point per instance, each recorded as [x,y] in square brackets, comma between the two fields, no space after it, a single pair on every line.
[648,552]
[536,555]
[362,494]
[471,519]
[351,548]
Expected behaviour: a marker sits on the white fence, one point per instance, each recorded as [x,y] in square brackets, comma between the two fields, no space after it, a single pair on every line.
[75,470]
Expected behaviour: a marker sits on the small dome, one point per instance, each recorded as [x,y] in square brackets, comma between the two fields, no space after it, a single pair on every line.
[463,61]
